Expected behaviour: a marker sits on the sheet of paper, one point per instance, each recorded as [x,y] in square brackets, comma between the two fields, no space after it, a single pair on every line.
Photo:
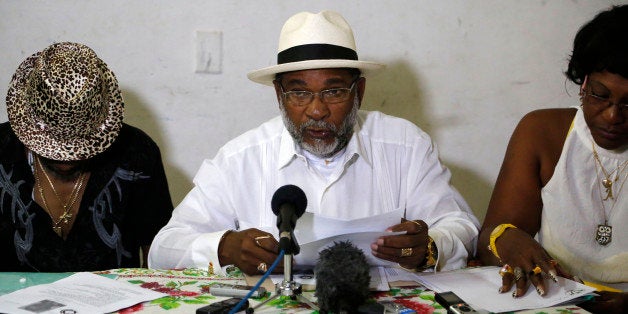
[311,227]
[307,279]
[362,240]
[399,274]
[81,292]
[315,233]
[379,281]
[478,287]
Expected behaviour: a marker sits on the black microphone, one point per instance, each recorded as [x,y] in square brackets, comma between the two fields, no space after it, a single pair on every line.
[288,203]
[342,278]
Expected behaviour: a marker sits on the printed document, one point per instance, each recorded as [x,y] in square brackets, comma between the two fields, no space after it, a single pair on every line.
[307,279]
[478,287]
[362,240]
[79,293]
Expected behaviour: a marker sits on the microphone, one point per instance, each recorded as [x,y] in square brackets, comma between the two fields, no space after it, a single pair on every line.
[342,278]
[288,203]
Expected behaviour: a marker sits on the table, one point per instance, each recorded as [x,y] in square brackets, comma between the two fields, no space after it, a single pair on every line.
[188,289]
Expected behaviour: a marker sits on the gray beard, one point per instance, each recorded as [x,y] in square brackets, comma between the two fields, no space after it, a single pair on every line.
[320,148]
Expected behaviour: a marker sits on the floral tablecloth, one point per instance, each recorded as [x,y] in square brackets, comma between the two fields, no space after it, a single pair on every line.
[189,289]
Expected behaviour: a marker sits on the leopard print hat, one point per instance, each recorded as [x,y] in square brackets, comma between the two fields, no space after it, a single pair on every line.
[64,103]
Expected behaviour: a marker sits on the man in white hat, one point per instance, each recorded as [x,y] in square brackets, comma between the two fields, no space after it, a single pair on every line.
[360,171]
[79,189]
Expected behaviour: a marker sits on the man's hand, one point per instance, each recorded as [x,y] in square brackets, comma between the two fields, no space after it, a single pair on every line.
[406,249]
[251,250]
[607,302]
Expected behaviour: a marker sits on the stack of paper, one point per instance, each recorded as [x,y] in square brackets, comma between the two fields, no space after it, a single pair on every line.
[479,288]
[78,293]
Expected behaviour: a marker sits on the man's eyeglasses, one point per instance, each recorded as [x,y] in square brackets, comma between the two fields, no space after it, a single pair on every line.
[603,102]
[327,96]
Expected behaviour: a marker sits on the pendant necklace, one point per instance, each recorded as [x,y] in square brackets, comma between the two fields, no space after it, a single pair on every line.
[66,215]
[608,182]
[604,232]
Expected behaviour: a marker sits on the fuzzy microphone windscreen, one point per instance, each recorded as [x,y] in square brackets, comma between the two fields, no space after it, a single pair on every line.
[342,278]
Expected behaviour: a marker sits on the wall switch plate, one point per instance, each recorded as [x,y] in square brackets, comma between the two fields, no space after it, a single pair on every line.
[208,52]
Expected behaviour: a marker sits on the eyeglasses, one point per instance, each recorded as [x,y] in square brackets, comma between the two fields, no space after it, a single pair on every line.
[328,96]
[603,102]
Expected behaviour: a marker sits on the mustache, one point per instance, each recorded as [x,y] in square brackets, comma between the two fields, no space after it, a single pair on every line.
[319,125]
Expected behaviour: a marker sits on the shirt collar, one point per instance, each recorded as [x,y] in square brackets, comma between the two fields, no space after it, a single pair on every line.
[287,149]
[357,144]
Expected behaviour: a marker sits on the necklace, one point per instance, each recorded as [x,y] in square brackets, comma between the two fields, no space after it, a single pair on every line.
[607,182]
[66,215]
[604,232]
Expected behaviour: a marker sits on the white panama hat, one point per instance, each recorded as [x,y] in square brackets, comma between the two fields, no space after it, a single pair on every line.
[314,41]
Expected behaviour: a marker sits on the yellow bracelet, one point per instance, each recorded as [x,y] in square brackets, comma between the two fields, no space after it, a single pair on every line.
[496,233]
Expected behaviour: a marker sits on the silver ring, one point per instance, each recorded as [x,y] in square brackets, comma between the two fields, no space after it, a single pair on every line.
[262,267]
[518,273]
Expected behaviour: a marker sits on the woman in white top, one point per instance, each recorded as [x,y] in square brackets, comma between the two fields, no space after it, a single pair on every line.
[559,207]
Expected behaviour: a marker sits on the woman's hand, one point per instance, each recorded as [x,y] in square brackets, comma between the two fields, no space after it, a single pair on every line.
[251,250]
[525,262]
[406,249]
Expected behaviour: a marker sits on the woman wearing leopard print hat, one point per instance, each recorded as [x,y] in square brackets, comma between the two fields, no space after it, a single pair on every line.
[74,179]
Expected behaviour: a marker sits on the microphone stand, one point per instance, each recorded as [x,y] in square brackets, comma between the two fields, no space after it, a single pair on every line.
[289,287]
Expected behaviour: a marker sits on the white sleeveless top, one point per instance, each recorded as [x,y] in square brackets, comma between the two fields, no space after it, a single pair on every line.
[572,211]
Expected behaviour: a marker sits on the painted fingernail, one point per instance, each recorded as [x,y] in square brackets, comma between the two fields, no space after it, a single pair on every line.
[552,273]
[517,293]
[540,291]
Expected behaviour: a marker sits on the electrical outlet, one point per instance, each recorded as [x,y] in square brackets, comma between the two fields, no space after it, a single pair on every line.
[208,52]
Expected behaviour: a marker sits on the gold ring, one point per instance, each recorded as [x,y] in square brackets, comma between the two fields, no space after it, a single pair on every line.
[505,270]
[536,270]
[262,267]
[260,238]
[518,273]
[405,252]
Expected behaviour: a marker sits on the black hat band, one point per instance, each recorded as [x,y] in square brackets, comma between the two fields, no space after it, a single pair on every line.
[315,52]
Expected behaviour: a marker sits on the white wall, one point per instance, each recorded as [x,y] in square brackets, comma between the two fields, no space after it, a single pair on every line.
[464,71]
